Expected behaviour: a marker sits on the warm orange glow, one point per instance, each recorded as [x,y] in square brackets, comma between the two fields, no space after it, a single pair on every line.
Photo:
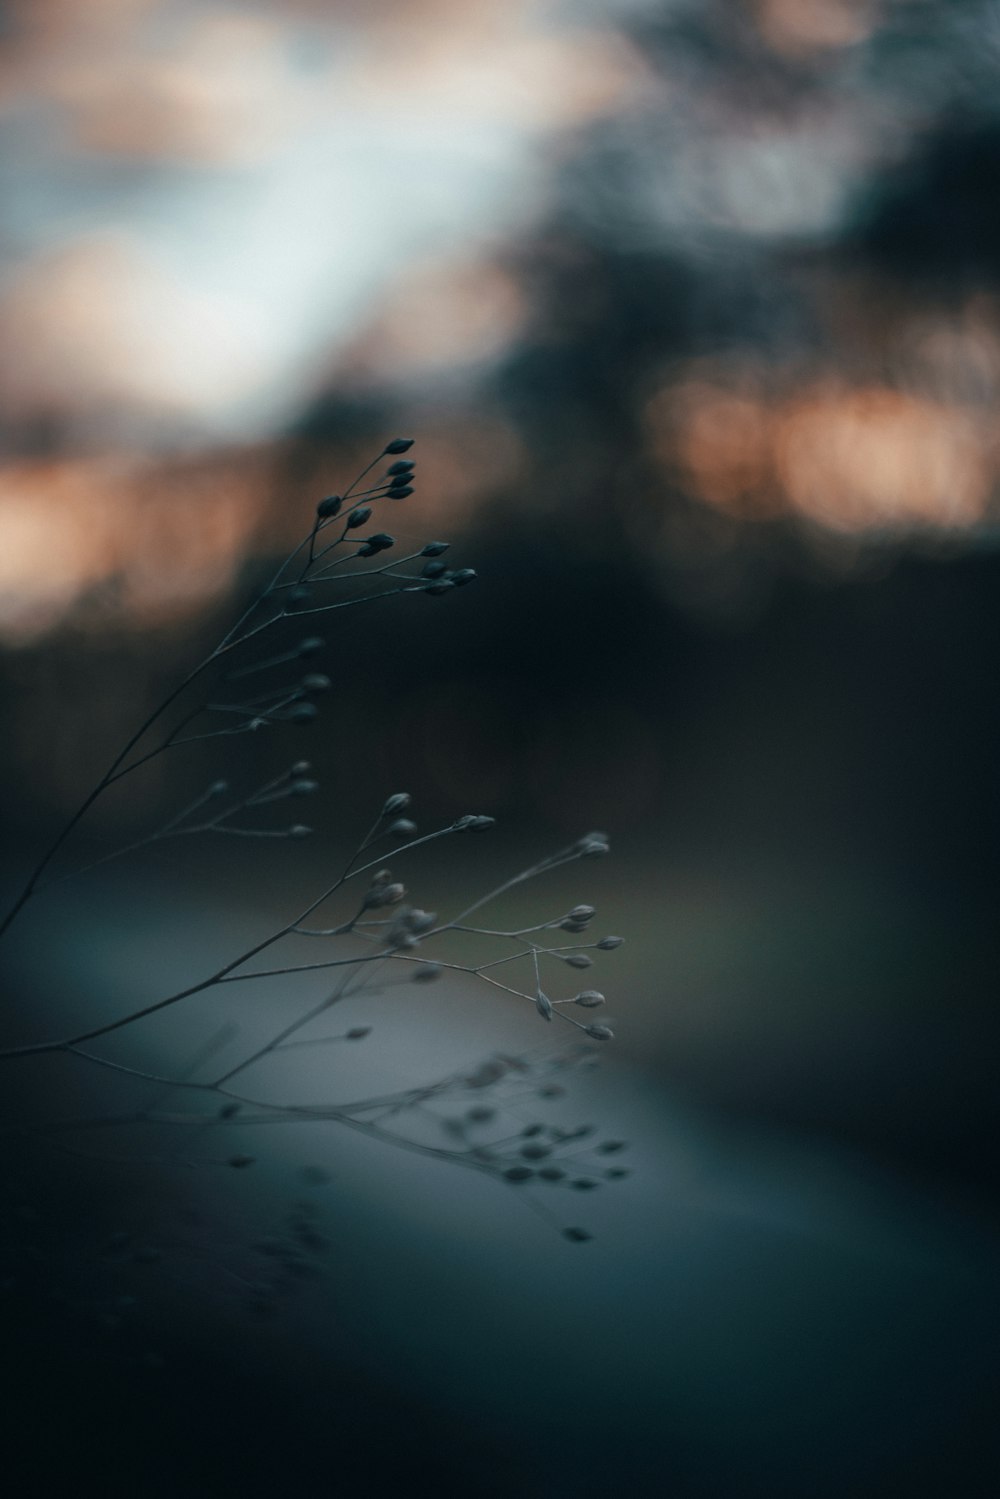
[719,441]
[147,544]
[156,544]
[800,26]
[854,459]
[440,317]
[861,459]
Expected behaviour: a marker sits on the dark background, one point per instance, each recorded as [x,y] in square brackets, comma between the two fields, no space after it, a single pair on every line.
[729,483]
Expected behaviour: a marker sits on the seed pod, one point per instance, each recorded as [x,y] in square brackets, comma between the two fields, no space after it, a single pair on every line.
[399,445]
[608,944]
[358,517]
[589,999]
[398,802]
[380,542]
[435,548]
[401,466]
[329,507]
[600,1032]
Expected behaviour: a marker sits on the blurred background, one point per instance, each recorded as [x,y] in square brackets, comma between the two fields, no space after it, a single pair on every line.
[693,307]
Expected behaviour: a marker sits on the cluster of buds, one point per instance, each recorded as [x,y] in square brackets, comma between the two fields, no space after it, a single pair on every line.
[408,926]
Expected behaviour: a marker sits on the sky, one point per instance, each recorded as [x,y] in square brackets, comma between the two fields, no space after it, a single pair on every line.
[220,216]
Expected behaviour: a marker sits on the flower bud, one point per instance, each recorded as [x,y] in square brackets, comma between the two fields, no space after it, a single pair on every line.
[443,586]
[435,548]
[579,960]
[358,517]
[433,570]
[301,713]
[310,645]
[329,507]
[301,768]
[398,802]
[402,828]
[543,1005]
[608,944]
[400,492]
[316,681]
[303,788]
[299,831]
[600,1032]
[380,542]
[518,1173]
[420,921]
[401,466]
[582,913]
[381,894]
[463,575]
[399,445]
[589,998]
